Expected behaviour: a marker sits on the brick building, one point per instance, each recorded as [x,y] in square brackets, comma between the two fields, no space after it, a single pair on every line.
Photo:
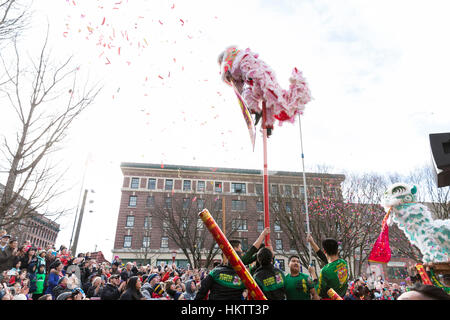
[36,227]
[140,233]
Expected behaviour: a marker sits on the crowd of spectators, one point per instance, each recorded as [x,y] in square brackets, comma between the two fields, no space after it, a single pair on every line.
[30,273]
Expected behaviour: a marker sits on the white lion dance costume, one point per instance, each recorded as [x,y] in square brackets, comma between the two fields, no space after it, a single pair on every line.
[256,82]
[432,237]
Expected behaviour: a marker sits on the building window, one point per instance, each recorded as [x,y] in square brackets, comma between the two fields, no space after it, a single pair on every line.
[168,203]
[200,204]
[259,188]
[200,224]
[187,185]
[132,201]
[186,203]
[150,202]
[127,241]
[199,243]
[147,222]
[277,225]
[169,184]
[164,242]
[274,189]
[145,242]
[276,206]
[292,243]
[218,187]
[151,184]
[238,187]
[259,206]
[287,190]
[244,244]
[239,224]
[288,207]
[332,192]
[130,221]
[317,192]
[184,223]
[281,264]
[201,186]
[260,226]
[302,192]
[238,205]
[134,183]
[278,244]
[218,204]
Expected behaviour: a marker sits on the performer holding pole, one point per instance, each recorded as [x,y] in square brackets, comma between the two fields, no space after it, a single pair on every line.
[254,292]
[259,93]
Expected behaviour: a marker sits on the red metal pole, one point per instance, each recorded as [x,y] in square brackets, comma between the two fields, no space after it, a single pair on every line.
[254,292]
[266,175]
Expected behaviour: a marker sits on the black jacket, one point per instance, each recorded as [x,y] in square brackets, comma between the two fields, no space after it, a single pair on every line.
[58,290]
[131,294]
[223,283]
[110,292]
[124,275]
[271,281]
[7,259]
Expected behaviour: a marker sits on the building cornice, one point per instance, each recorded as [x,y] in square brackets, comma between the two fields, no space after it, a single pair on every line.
[221,170]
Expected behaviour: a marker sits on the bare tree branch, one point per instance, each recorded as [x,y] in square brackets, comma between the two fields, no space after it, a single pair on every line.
[34,179]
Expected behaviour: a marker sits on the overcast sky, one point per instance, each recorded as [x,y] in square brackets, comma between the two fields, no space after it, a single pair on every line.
[377,70]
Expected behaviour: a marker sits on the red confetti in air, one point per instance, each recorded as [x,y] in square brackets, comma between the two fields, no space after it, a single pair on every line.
[103,22]
[182,22]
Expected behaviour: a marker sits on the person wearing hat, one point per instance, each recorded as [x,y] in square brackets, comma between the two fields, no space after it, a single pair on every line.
[9,254]
[65,296]
[191,290]
[111,290]
[29,258]
[149,285]
[61,287]
[41,258]
[158,291]
[4,240]
[39,282]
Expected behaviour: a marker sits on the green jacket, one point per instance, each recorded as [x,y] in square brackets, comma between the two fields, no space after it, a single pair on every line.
[40,280]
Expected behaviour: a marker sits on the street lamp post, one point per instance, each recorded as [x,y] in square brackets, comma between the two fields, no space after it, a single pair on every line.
[80,219]
[174,254]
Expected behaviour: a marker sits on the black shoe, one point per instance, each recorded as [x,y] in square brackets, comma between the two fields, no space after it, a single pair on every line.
[269,132]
